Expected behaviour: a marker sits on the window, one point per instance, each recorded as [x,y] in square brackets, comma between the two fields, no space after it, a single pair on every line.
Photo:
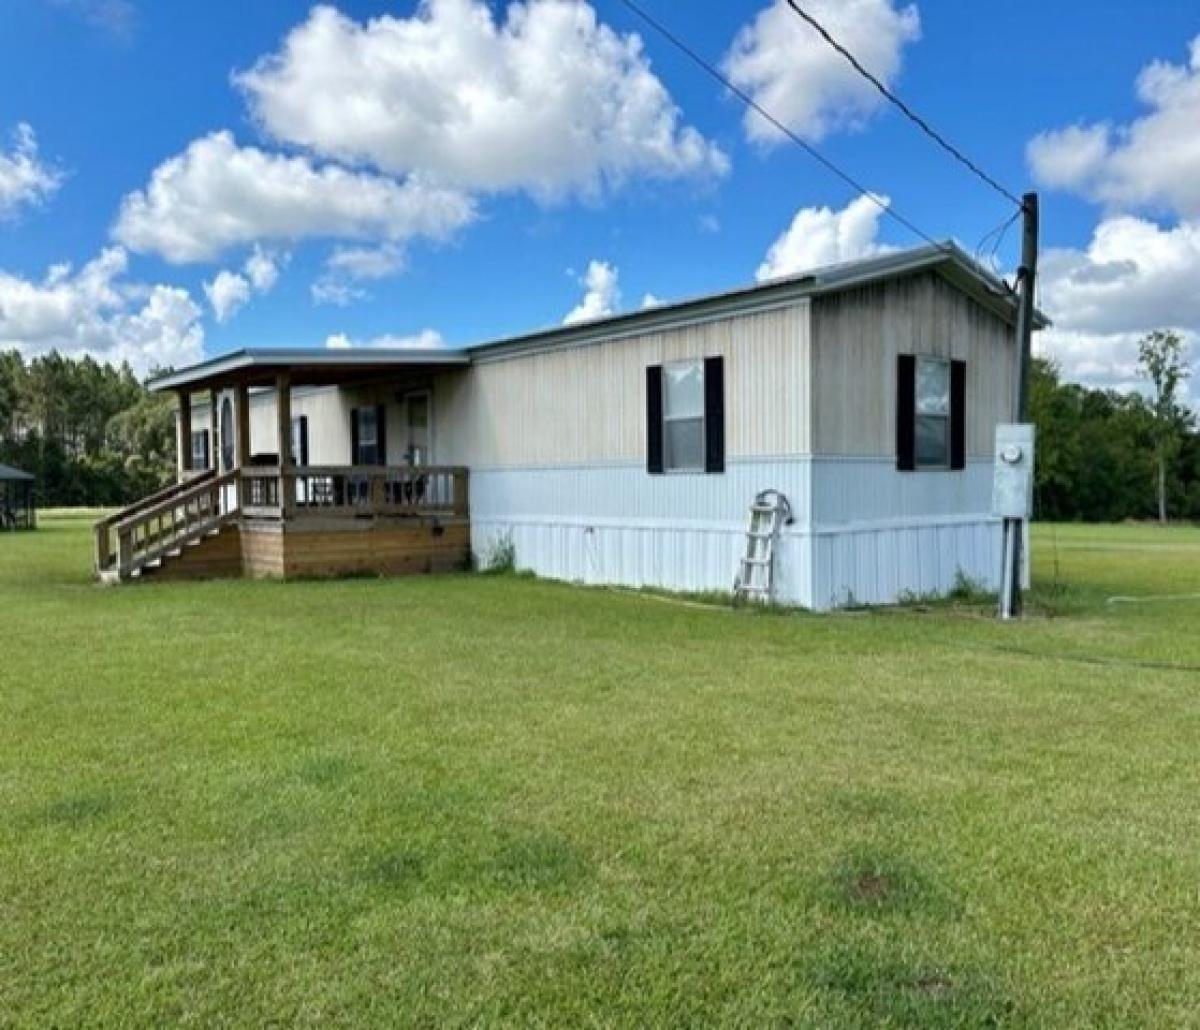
[683,416]
[931,413]
[200,454]
[932,398]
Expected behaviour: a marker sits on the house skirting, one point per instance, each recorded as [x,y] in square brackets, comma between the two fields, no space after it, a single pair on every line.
[863,532]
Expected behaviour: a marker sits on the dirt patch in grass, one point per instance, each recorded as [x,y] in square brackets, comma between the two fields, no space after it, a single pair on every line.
[871,888]
[884,883]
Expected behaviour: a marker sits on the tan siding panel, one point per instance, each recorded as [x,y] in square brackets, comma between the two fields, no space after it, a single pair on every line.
[856,338]
[587,404]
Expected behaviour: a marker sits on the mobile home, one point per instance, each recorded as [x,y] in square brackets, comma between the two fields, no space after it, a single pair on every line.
[628,450]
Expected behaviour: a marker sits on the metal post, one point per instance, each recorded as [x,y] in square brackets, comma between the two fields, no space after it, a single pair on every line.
[1026,279]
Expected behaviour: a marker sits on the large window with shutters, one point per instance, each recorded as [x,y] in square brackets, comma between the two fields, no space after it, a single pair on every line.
[685,417]
[931,404]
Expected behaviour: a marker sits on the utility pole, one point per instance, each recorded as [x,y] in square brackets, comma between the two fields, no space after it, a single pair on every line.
[1010,606]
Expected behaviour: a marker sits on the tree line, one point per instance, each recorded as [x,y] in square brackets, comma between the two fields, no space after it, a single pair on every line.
[1111,455]
[90,433]
[93,435]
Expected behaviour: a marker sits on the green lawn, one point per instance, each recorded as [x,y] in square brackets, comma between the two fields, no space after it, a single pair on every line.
[490,800]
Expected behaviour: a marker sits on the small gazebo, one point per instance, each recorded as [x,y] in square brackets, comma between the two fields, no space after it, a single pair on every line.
[17,509]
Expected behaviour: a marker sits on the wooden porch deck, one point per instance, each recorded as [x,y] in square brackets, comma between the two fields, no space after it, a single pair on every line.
[302,521]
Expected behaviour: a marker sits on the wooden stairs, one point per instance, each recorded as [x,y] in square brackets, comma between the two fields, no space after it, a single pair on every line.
[181,529]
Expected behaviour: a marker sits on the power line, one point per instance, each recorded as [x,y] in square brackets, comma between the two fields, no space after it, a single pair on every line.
[912,115]
[998,233]
[749,101]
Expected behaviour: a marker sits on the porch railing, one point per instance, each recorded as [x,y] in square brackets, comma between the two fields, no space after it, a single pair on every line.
[166,521]
[366,490]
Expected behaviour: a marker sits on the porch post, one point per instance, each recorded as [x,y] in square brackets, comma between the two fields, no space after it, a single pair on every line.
[241,401]
[287,464]
[214,438]
[185,434]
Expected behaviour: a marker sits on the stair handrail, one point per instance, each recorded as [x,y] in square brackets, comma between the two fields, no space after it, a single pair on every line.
[191,489]
[154,498]
[101,528]
[177,499]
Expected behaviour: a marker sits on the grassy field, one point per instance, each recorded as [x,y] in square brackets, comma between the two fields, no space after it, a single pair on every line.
[489,800]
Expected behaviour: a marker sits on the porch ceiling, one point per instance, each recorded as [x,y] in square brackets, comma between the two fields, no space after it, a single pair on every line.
[306,367]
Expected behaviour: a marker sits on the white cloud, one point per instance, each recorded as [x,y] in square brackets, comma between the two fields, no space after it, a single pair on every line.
[602,297]
[227,293]
[1133,277]
[795,75]
[821,236]
[98,311]
[549,101]
[262,269]
[346,266]
[217,195]
[649,300]
[366,262]
[336,293]
[24,179]
[1154,161]
[426,339]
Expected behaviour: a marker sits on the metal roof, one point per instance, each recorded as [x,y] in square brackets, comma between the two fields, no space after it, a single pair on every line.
[323,366]
[8,473]
[306,366]
[947,259]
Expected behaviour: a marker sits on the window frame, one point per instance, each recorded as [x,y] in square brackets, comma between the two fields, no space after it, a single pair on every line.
[945,419]
[701,419]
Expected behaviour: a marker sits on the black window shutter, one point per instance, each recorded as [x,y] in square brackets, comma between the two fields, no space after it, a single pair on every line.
[654,422]
[380,435]
[303,439]
[207,453]
[958,414]
[906,410]
[354,436]
[714,415]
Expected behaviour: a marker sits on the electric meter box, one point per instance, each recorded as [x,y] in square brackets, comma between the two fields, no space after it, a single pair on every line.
[1012,485]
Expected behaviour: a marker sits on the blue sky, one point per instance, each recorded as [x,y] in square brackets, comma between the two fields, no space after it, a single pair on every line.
[96,95]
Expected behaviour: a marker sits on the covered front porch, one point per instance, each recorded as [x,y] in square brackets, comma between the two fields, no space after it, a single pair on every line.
[248,500]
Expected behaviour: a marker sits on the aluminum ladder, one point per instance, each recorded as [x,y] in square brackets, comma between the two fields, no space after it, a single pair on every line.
[768,514]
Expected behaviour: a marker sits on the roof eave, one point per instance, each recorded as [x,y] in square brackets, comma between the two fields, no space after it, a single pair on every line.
[255,364]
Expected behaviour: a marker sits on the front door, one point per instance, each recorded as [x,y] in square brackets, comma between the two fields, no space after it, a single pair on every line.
[417,419]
